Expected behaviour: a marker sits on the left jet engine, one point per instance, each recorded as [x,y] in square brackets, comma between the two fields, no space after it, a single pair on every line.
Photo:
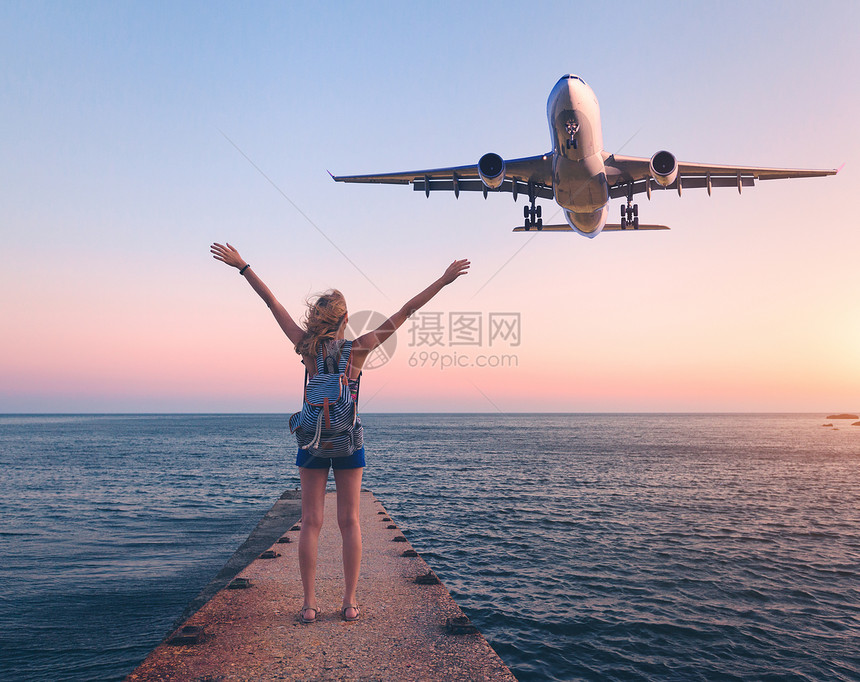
[664,168]
[491,168]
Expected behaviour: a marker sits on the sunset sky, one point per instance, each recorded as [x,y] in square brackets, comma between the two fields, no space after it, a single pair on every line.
[131,132]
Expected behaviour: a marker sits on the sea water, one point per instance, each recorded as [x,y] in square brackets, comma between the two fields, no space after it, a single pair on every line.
[585,547]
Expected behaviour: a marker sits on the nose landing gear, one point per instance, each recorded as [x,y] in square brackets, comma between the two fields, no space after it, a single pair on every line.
[572,129]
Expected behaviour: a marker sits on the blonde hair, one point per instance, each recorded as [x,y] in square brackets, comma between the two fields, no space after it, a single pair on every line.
[322,320]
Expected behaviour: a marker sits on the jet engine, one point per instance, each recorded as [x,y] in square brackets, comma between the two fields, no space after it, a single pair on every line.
[664,168]
[491,168]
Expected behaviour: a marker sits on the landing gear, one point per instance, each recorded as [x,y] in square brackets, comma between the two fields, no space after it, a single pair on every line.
[630,214]
[572,129]
[532,213]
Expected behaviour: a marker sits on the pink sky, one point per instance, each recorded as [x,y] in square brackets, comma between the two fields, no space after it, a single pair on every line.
[118,177]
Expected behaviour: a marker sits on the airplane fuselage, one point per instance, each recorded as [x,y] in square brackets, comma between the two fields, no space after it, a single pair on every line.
[579,175]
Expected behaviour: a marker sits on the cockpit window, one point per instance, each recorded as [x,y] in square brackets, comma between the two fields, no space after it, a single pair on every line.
[575,77]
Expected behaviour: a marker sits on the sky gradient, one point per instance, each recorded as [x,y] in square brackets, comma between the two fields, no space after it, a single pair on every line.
[135,134]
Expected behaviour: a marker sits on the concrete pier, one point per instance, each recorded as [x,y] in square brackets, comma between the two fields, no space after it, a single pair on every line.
[255,634]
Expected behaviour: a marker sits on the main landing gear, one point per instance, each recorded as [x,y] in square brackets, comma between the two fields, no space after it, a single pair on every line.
[531,213]
[630,215]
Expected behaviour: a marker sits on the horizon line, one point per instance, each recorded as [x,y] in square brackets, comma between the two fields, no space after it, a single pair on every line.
[543,412]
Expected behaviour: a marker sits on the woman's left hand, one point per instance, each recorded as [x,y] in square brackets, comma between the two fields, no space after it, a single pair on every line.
[227,254]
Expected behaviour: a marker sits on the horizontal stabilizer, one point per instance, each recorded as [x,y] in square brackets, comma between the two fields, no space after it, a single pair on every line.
[615,227]
[546,228]
[609,227]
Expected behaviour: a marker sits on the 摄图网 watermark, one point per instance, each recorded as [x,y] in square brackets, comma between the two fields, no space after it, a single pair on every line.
[435,329]
[443,340]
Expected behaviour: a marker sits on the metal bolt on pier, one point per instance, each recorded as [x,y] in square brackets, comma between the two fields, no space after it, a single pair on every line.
[460,625]
[189,634]
[428,578]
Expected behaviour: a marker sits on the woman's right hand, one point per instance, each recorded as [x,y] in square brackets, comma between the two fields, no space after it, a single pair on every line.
[227,254]
[457,268]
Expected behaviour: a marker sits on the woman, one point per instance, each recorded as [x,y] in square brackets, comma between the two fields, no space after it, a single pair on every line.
[324,326]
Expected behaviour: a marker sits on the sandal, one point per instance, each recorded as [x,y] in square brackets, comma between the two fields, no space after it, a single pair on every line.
[350,606]
[307,621]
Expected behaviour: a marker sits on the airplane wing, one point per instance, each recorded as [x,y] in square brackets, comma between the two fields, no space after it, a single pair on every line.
[520,175]
[622,172]
[609,227]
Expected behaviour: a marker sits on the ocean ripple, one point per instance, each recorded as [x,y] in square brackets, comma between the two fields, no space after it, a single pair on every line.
[585,547]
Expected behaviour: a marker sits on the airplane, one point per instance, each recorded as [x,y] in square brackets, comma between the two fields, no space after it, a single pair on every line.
[578,174]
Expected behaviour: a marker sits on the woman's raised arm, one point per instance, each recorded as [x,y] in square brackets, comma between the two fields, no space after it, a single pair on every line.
[229,255]
[367,342]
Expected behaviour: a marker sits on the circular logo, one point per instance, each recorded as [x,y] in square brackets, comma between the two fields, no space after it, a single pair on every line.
[365,321]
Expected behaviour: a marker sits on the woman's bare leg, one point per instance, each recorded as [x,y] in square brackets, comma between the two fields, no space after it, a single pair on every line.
[313,505]
[348,482]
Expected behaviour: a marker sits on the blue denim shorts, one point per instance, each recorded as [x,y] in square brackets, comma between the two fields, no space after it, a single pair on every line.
[309,461]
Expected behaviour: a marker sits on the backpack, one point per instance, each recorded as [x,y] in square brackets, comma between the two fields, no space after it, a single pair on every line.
[325,426]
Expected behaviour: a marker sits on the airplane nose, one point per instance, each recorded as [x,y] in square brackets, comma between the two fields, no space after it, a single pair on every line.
[564,91]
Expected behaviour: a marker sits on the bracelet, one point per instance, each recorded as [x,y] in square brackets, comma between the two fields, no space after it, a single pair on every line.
[242,271]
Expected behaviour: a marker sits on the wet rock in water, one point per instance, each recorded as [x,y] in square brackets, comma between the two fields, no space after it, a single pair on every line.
[843,416]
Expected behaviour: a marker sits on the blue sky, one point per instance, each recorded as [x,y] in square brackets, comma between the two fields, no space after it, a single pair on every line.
[117,173]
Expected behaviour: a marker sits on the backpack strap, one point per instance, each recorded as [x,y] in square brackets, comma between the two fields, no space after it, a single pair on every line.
[357,390]
[305,392]
[345,357]
[345,354]
[320,358]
